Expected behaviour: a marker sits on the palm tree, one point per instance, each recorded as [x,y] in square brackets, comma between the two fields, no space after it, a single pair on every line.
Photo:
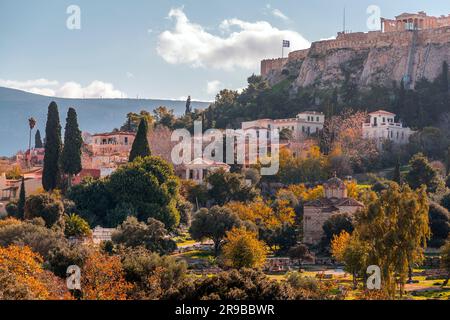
[32,124]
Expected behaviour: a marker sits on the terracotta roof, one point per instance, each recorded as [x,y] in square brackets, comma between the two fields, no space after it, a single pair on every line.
[383,112]
[312,112]
[334,202]
[120,133]
[206,162]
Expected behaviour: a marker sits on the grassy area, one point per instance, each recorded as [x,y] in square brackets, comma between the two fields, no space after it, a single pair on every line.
[186,243]
[184,240]
[198,254]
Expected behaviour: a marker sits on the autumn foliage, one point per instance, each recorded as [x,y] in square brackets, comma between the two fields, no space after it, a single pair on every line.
[103,278]
[22,276]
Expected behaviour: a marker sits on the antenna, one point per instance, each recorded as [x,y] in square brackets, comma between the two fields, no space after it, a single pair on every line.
[344,21]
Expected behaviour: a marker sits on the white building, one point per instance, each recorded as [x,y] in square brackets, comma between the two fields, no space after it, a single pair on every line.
[305,124]
[382,126]
[198,169]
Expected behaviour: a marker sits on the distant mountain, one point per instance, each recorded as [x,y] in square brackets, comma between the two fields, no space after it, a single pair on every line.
[94,115]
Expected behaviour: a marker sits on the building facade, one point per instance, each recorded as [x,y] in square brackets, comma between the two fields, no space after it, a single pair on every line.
[305,124]
[112,143]
[198,169]
[107,151]
[381,126]
[318,211]
[414,21]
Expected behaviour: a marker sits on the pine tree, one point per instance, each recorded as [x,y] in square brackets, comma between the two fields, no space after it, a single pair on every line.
[22,198]
[38,140]
[397,177]
[140,146]
[50,175]
[71,154]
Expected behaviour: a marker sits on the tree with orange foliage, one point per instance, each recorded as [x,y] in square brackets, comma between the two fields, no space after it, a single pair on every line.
[338,245]
[22,276]
[260,212]
[243,249]
[102,278]
[344,133]
[305,194]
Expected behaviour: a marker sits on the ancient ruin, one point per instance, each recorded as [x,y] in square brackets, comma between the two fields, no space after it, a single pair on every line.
[411,47]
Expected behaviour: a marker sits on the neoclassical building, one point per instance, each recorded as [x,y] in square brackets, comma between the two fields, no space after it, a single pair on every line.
[305,124]
[316,212]
[381,126]
[198,169]
[414,21]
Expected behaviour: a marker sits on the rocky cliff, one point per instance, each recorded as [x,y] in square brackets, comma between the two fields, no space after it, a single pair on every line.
[373,58]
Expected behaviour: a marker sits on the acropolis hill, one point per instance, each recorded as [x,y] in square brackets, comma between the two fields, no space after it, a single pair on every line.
[410,47]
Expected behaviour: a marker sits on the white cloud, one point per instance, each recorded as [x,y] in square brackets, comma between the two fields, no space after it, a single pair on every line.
[243,46]
[213,87]
[130,75]
[97,89]
[277,13]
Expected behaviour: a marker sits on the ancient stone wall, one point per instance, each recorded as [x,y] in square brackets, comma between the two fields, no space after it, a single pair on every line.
[272,64]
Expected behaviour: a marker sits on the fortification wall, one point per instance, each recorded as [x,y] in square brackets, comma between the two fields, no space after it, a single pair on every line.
[272,64]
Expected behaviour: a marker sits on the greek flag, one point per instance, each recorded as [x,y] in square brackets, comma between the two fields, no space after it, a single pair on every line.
[286,44]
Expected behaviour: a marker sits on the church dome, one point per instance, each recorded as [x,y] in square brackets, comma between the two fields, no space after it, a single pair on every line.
[335,183]
[335,188]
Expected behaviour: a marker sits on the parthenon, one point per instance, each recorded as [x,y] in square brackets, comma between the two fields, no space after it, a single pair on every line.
[414,21]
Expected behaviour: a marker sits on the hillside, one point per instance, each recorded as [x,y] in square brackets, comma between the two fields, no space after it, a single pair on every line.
[94,115]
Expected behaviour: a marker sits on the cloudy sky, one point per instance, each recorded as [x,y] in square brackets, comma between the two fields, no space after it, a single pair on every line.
[165,49]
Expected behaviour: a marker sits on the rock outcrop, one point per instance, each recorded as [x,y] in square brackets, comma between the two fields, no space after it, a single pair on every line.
[374,58]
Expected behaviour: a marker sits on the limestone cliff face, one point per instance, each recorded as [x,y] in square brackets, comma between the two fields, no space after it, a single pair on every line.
[368,58]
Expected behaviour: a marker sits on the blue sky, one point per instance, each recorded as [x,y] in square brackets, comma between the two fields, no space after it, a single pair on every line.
[165,49]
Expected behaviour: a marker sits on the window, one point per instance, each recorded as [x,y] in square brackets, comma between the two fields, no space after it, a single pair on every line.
[317,119]
[126,140]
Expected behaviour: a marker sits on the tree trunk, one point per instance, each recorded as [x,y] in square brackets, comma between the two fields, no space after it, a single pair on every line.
[216,248]
[446,280]
[355,283]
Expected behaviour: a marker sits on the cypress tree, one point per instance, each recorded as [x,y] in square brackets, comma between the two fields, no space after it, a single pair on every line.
[22,198]
[397,177]
[188,106]
[448,161]
[444,81]
[38,140]
[50,175]
[71,154]
[140,146]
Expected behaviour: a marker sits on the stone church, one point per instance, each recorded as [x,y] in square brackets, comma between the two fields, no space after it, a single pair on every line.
[318,211]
